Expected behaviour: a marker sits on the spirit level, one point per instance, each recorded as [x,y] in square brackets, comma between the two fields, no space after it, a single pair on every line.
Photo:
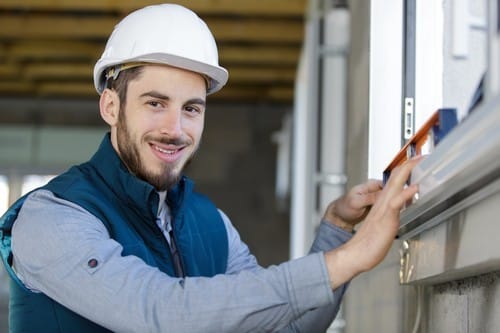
[426,138]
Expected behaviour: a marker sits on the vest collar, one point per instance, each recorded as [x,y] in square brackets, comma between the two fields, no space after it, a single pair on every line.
[130,189]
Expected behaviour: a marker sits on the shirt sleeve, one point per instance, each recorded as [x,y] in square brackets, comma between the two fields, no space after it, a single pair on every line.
[66,253]
[318,320]
[239,256]
[328,237]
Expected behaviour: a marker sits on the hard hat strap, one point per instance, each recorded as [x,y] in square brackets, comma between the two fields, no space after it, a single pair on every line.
[114,71]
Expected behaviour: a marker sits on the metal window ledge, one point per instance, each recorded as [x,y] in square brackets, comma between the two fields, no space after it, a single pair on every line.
[461,171]
[451,230]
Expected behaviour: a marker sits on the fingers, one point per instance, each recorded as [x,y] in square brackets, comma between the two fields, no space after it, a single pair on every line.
[374,185]
[399,201]
[397,194]
[369,192]
[400,174]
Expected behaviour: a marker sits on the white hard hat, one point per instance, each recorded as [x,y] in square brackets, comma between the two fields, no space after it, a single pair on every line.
[163,34]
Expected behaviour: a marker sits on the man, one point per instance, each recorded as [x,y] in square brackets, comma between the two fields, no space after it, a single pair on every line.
[122,243]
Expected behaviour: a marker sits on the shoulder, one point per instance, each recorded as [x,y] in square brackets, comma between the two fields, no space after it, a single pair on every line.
[43,205]
[46,220]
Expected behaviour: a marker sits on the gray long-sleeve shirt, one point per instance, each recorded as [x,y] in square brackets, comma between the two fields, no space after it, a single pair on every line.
[53,241]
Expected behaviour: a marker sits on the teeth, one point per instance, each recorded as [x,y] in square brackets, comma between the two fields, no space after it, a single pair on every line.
[170,152]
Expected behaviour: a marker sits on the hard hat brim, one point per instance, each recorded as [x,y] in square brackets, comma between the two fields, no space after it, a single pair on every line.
[218,75]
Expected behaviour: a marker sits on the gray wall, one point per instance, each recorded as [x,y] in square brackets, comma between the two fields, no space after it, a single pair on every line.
[236,168]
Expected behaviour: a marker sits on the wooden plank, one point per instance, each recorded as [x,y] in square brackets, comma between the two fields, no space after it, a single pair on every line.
[53,26]
[253,94]
[15,87]
[270,55]
[9,70]
[202,7]
[61,71]
[67,89]
[51,49]
[261,75]
[281,94]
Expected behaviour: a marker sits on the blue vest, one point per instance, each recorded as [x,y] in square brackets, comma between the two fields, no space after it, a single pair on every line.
[127,207]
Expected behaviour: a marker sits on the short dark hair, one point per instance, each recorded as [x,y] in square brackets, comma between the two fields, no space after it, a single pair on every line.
[120,84]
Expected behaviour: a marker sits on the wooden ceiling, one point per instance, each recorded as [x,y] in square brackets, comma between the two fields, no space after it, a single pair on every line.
[48,47]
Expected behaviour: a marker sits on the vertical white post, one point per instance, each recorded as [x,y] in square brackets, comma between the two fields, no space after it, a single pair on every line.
[305,140]
[331,174]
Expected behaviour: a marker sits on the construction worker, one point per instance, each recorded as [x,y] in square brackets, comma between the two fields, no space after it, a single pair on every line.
[122,242]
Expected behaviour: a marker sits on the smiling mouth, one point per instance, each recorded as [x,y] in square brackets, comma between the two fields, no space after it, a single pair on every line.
[168,154]
[166,151]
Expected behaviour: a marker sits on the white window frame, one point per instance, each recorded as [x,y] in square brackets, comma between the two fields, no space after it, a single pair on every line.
[385,96]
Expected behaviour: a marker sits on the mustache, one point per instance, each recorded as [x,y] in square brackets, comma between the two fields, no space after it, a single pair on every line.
[168,141]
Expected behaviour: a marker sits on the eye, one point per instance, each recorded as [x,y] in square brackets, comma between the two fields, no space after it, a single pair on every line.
[192,109]
[154,104]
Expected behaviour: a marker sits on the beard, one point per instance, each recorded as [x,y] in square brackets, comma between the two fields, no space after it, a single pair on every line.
[163,180]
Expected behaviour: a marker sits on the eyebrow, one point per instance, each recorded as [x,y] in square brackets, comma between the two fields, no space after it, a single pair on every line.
[156,94]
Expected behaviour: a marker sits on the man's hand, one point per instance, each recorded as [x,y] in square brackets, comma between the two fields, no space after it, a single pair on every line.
[352,208]
[372,241]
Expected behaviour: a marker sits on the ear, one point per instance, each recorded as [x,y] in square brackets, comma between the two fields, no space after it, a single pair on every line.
[109,105]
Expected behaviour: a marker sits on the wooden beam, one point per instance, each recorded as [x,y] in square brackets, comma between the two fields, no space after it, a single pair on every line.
[269,55]
[66,89]
[202,7]
[261,75]
[9,70]
[253,94]
[281,94]
[224,30]
[52,49]
[15,87]
[54,26]
[38,71]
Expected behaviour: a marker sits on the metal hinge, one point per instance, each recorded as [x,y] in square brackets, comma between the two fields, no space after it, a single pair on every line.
[408,118]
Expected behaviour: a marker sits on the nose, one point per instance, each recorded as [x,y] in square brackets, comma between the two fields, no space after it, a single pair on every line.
[171,124]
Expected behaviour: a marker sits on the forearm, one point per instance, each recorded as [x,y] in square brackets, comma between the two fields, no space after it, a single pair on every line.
[143,299]
[318,320]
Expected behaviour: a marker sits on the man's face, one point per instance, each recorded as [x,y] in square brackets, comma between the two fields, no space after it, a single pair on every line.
[160,126]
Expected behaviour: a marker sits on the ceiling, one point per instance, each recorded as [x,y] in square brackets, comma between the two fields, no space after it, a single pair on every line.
[48,48]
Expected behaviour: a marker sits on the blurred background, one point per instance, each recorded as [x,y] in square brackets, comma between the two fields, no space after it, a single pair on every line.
[49,116]
[322,94]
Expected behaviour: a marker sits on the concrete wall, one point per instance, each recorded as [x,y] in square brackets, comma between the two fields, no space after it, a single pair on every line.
[236,167]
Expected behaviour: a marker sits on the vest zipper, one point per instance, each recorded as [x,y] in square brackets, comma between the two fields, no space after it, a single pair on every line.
[176,257]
